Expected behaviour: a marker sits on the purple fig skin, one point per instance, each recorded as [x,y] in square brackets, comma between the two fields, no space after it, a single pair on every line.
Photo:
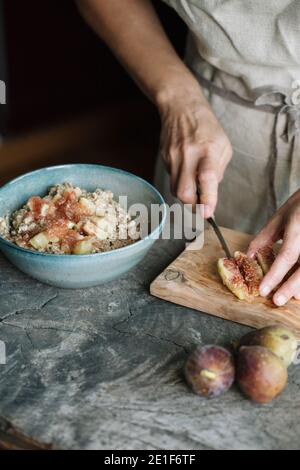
[210,370]
[261,375]
[279,339]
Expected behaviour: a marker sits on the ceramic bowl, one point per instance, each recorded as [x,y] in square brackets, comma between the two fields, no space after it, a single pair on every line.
[78,271]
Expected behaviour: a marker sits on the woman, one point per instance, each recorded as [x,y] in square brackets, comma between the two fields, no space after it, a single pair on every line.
[231,106]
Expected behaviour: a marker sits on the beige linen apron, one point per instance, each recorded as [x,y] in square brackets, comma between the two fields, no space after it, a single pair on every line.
[251,49]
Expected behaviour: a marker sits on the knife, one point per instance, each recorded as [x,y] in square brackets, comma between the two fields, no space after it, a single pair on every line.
[218,232]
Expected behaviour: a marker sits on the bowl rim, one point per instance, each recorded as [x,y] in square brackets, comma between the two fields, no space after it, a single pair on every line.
[150,236]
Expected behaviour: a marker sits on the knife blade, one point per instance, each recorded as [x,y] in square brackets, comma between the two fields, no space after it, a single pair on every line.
[218,232]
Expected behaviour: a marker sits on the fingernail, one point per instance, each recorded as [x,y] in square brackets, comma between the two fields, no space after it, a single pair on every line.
[264,290]
[280,300]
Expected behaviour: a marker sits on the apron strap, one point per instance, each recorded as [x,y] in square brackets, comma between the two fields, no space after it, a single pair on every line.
[277,101]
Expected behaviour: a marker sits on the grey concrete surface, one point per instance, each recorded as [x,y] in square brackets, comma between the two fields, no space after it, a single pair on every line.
[101,368]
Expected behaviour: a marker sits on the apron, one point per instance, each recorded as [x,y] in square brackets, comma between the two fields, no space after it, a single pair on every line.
[245,56]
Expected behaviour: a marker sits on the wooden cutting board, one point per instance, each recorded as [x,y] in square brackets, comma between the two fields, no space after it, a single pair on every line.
[192,280]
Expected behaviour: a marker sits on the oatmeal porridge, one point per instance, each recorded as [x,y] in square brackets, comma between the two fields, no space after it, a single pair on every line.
[70,220]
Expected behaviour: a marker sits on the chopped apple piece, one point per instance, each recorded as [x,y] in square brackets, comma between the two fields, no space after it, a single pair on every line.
[84,247]
[106,224]
[39,241]
[44,209]
[265,257]
[251,272]
[88,206]
[232,278]
[90,228]
[100,210]
[42,240]
[70,224]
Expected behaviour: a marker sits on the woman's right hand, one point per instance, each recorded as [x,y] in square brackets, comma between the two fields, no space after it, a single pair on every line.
[193,144]
[194,147]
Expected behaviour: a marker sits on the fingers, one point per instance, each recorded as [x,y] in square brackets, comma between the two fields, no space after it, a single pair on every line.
[273,230]
[267,236]
[286,259]
[174,169]
[208,187]
[193,171]
[186,184]
[210,173]
[196,151]
[291,288]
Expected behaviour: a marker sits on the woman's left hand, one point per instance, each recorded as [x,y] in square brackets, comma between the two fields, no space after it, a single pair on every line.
[285,225]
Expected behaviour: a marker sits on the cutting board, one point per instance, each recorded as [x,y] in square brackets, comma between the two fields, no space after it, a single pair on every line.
[192,280]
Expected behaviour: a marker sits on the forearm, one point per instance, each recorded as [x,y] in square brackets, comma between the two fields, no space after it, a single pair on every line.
[193,144]
[133,31]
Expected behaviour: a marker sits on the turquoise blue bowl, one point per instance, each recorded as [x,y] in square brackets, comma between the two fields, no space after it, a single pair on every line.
[78,271]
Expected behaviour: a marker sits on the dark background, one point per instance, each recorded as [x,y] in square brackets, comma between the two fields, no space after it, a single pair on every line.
[56,66]
[58,72]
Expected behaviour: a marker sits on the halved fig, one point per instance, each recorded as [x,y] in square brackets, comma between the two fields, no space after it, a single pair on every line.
[251,272]
[265,257]
[232,278]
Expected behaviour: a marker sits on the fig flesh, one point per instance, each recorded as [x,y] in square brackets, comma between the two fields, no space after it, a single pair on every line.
[251,272]
[278,339]
[210,370]
[261,375]
[232,278]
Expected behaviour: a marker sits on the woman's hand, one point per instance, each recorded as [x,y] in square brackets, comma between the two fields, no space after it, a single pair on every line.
[285,225]
[194,146]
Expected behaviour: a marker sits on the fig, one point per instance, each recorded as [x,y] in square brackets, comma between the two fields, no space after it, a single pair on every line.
[232,278]
[278,339]
[261,375]
[265,257]
[251,272]
[210,370]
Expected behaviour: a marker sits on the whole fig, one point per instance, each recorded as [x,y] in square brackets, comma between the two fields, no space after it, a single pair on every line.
[279,339]
[210,370]
[261,375]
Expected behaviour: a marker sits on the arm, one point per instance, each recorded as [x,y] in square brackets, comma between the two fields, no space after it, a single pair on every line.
[132,30]
[193,144]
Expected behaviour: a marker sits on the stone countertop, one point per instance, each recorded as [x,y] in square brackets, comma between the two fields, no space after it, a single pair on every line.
[101,368]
